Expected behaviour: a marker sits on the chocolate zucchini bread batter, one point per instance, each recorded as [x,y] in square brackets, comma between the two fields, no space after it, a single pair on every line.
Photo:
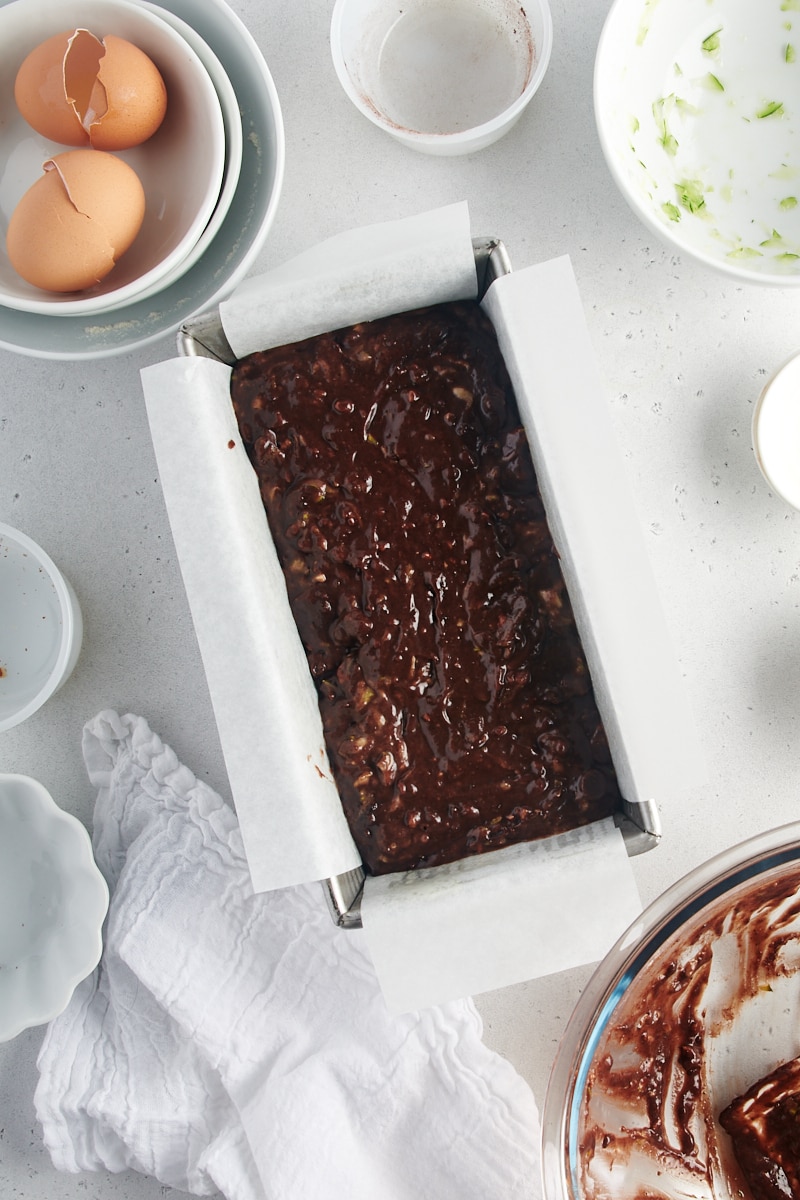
[764,1127]
[456,702]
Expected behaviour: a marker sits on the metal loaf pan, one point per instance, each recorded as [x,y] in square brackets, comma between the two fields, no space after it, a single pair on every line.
[638,822]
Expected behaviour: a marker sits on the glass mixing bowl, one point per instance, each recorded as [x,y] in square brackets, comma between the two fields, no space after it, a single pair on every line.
[698,1001]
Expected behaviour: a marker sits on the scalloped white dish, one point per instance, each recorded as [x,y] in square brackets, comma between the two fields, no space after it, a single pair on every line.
[53,901]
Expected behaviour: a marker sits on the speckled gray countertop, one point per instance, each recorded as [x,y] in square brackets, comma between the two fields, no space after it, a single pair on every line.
[684,354]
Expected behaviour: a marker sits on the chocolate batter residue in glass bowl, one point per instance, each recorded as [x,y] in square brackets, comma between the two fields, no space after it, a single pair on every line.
[678,1022]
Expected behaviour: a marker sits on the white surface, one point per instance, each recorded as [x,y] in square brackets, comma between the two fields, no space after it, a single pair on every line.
[53,900]
[697,116]
[41,630]
[180,167]
[444,77]
[684,353]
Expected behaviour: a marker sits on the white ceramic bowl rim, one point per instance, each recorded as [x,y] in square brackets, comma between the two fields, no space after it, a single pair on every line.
[232,122]
[68,626]
[215,142]
[463,136]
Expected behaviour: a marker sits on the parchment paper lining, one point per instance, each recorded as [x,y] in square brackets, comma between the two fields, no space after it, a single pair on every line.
[514,914]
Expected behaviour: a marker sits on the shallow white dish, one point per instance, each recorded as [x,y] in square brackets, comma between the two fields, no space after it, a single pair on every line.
[41,630]
[53,901]
[698,117]
[181,166]
[441,76]
[241,235]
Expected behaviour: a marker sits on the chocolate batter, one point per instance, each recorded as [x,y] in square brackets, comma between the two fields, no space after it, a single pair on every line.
[456,702]
[764,1126]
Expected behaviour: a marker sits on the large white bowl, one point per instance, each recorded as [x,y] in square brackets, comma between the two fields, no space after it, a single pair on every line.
[181,166]
[53,901]
[238,241]
[698,111]
[445,77]
[41,629]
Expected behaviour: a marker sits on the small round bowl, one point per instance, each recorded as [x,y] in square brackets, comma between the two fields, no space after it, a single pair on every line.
[53,901]
[696,110]
[181,166]
[776,432]
[695,1004]
[445,77]
[41,631]
[228,256]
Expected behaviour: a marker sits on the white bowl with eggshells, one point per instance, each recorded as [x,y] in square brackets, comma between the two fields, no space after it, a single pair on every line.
[53,901]
[180,168]
[228,255]
[698,112]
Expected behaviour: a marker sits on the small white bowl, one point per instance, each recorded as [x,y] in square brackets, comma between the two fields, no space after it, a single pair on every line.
[445,77]
[181,166]
[776,432]
[53,901]
[698,116]
[41,631]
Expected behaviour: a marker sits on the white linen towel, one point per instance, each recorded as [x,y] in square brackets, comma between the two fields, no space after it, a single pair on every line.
[239,1043]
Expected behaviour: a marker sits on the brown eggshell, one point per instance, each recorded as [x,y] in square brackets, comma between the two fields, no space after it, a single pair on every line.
[79,90]
[135,96]
[76,221]
[40,93]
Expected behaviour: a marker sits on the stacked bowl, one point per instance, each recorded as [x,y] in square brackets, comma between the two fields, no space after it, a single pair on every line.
[211,173]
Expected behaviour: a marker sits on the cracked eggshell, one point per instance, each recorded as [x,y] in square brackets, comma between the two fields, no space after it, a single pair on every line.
[41,97]
[79,90]
[135,95]
[76,221]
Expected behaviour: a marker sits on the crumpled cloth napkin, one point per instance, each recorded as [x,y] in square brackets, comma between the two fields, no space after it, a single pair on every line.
[239,1043]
